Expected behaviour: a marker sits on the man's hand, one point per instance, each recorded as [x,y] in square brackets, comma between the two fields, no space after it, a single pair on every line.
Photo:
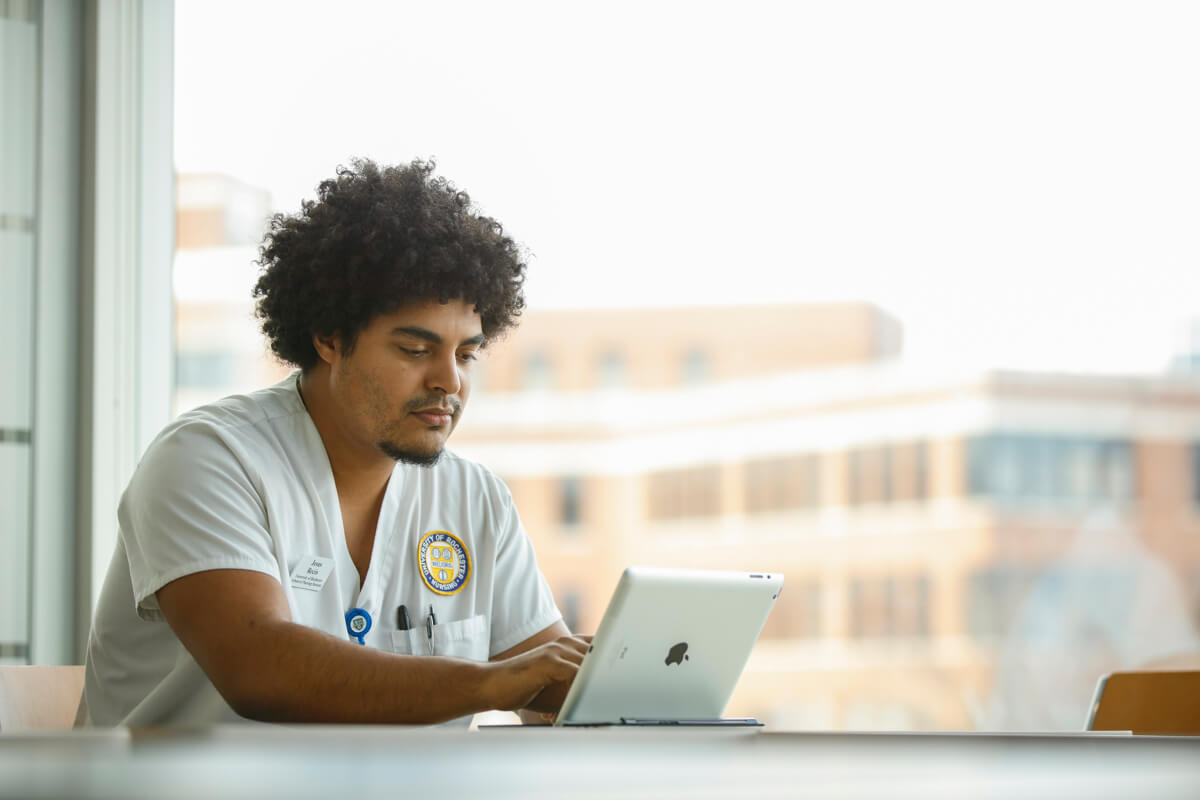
[535,679]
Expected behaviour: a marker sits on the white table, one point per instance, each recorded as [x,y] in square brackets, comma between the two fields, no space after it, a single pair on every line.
[365,762]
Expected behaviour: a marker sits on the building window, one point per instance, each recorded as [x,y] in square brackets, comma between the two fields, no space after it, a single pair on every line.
[571,489]
[911,463]
[1058,471]
[1196,474]
[870,476]
[612,372]
[855,478]
[870,607]
[910,614]
[1195,598]
[682,493]
[572,608]
[920,453]
[889,606]
[537,374]
[697,368]
[798,611]
[909,471]
[886,458]
[776,484]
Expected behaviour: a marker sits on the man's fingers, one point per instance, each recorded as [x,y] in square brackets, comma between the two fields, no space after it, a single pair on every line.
[569,648]
[546,671]
[579,643]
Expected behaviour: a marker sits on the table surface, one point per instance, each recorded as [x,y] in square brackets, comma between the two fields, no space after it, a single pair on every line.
[325,761]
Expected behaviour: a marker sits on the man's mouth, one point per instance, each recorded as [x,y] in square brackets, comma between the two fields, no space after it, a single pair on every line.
[435,417]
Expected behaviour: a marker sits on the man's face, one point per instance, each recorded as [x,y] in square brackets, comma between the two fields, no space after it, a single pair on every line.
[403,386]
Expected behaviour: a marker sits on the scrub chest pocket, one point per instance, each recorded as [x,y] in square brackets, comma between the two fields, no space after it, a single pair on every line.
[466,638]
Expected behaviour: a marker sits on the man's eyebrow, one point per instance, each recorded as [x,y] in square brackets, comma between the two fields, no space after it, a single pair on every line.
[431,337]
[474,340]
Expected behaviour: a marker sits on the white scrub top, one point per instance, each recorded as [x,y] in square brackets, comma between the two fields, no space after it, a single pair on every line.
[244,483]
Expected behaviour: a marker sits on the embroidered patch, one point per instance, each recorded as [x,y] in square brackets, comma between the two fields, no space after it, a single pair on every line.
[444,563]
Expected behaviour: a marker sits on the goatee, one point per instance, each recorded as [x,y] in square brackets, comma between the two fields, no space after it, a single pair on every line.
[418,459]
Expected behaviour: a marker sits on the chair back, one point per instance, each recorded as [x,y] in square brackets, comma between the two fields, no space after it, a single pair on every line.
[39,698]
[1150,701]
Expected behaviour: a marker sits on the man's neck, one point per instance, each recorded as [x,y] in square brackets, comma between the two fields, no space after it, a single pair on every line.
[358,468]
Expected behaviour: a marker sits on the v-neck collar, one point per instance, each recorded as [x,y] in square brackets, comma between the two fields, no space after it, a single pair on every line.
[384,530]
[384,525]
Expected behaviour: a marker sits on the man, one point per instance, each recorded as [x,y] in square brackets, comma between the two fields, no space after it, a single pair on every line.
[310,552]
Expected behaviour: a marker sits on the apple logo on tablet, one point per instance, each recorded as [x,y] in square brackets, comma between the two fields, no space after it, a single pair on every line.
[677,654]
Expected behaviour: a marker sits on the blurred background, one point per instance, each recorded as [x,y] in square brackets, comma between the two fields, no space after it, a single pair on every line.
[899,299]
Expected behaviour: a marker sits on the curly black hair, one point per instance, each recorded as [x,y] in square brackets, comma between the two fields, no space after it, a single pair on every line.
[378,238]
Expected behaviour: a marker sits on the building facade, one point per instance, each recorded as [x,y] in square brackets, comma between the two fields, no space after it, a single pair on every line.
[960,550]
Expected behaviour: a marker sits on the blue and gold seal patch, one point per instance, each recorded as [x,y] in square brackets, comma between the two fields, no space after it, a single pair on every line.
[444,563]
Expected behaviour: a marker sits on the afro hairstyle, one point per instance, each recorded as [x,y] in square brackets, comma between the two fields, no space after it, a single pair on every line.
[376,239]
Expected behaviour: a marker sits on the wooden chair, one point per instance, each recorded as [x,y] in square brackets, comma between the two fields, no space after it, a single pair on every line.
[39,698]
[1153,701]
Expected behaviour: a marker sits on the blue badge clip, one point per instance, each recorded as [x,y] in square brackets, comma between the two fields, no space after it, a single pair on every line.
[358,622]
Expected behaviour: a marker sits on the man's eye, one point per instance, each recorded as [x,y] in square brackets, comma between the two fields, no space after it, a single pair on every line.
[414,352]
[467,356]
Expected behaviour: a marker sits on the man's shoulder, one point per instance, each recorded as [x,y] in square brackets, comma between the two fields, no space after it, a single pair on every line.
[243,440]
[242,426]
[239,413]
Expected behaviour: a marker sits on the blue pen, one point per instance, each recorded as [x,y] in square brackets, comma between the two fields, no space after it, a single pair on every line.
[430,621]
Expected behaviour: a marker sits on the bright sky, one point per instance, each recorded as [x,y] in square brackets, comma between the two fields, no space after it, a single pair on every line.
[1018,182]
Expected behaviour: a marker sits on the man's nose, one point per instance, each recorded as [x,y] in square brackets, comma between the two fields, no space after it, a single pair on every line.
[443,375]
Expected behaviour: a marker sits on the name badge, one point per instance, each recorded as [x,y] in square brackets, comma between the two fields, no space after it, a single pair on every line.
[311,572]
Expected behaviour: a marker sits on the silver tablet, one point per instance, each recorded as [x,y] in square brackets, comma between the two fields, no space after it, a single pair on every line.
[671,647]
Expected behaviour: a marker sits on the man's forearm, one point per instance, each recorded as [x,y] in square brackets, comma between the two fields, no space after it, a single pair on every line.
[237,626]
[294,673]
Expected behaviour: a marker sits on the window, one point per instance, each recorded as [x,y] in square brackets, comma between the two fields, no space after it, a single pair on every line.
[920,470]
[571,607]
[782,483]
[855,477]
[870,607]
[886,458]
[870,475]
[819,403]
[611,371]
[680,493]
[910,465]
[1043,470]
[571,489]
[19,36]
[889,606]
[697,368]
[537,373]
[1196,474]
[910,612]
[797,612]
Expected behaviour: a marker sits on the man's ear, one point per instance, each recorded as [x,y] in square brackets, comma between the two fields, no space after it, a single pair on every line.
[327,347]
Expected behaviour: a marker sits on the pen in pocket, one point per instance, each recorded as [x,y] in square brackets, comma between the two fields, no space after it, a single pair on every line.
[430,621]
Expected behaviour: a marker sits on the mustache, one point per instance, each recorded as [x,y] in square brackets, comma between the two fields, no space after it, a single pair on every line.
[434,401]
